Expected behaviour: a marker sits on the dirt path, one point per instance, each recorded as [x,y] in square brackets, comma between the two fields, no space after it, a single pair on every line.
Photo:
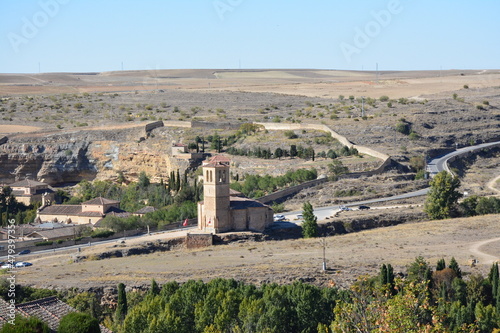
[484,257]
[491,185]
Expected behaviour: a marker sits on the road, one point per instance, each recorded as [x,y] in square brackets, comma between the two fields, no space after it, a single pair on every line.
[435,166]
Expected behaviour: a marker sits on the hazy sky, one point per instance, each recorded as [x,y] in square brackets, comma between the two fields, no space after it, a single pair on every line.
[100,35]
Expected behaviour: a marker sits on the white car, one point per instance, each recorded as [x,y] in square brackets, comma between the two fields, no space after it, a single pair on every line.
[344,208]
[5,265]
[279,217]
[23,264]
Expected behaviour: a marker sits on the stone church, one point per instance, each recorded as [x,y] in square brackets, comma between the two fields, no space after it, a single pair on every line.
[225,210]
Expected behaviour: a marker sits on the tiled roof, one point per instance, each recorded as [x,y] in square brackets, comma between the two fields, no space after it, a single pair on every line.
[27,183]
[145,210]
[61,210]
[217,160]
[54,233]
[4,310]
[50,310]
[244,203]
[100,201]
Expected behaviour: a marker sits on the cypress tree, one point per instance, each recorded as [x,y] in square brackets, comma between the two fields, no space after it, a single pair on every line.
[122,307]
[493,277]
[383,275]
[454,266]
[310,224]
[390,275]
[497,300]
[178,181]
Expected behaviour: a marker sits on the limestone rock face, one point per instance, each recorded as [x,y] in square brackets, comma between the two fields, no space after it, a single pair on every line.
[73,157]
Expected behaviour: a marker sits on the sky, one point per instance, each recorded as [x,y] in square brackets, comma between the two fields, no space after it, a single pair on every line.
[108,35]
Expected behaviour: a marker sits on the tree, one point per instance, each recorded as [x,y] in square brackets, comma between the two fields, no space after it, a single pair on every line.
[26,325]
[310,224]
[454,266]
[336,168]
[143,180]
[293,151]
[441,264]
[122,307]
[77,322]
[443,196]
[155,289]
[278,153]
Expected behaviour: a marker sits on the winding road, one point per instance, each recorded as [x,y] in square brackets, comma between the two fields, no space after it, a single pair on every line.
[435,166]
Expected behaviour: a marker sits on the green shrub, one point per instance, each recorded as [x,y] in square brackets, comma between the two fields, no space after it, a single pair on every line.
[102,233]
[384,98]
[77,322]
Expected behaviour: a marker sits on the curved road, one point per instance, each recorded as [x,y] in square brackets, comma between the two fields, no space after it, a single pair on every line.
[435,166]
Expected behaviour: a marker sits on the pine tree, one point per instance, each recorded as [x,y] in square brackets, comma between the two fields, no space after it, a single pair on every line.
[155,289]
[454,266]
[441,264]
[122,307]
[310,224]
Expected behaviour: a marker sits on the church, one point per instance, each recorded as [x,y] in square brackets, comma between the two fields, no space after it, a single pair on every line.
[225,210]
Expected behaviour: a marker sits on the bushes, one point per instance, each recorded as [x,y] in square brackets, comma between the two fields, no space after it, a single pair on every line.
[77,322]
[475,205]
[102,233]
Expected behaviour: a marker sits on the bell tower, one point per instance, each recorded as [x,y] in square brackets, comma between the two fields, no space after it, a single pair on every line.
[214,214]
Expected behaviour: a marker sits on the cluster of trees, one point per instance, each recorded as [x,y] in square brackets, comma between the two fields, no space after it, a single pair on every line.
[442,200]
[10,208]
[426,300]
[174,202]
[255,186]
[231,306]
[294,151]
[266,153]
[166,215]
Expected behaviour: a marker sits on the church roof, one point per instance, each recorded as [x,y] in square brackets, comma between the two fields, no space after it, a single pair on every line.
[244,203]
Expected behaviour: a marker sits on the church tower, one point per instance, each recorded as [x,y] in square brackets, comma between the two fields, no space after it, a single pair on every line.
[214,215]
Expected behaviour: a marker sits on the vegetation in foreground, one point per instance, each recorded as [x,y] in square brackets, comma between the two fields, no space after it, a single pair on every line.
[425,299]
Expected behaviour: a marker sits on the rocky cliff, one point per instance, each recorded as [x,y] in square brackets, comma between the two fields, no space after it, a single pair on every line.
[87,155]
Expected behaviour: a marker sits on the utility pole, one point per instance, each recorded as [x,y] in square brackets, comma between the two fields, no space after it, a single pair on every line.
[362,106]
[323,243]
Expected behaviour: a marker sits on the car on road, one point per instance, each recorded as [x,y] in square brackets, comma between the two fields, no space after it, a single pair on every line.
[279,217]
[300,217]
[25,251]
[23,264]
[363,207]
[344,208]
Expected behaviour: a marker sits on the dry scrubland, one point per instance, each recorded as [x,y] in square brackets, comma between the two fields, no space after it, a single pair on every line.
[443,109]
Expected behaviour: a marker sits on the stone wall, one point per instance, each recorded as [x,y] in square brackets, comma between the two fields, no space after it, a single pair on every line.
[279,195]
[196,241]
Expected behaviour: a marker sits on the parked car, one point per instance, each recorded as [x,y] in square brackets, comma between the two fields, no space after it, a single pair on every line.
[25,252]
[345,208]
[5,265]
[279,217]
[363,207]
[23,264]
[300,217]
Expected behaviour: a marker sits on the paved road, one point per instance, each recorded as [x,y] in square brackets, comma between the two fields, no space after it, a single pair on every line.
[435,166]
